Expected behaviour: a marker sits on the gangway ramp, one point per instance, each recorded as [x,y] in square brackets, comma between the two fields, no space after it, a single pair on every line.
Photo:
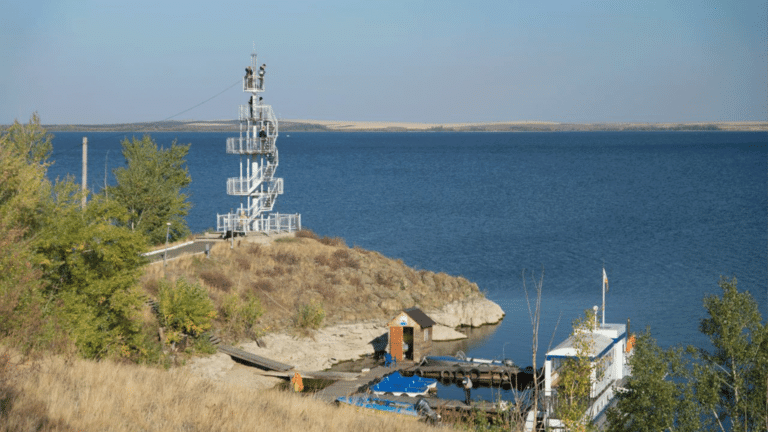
[258,361]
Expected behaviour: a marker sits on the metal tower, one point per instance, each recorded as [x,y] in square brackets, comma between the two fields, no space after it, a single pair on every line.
[257,148]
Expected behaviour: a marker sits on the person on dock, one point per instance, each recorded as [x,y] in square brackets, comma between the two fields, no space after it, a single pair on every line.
[466,383]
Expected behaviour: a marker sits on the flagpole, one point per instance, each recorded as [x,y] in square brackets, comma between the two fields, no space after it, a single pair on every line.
[604,277]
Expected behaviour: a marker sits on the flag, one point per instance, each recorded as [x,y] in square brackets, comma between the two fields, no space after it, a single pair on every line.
[605,280]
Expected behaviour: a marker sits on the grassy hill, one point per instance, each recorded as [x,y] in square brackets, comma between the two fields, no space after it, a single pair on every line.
[65,393]
[290,274]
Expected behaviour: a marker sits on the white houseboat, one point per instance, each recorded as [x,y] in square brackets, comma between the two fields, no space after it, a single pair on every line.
[611,347]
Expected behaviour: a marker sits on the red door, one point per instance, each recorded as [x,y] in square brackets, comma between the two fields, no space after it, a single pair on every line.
[396,342]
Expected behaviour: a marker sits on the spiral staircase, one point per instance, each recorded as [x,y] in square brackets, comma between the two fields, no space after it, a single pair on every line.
[256,185]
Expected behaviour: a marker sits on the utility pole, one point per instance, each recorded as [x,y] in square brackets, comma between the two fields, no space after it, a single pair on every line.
[85,171]
[165,254]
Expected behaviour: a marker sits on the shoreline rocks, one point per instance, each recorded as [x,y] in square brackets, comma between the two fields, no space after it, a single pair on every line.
[470,312]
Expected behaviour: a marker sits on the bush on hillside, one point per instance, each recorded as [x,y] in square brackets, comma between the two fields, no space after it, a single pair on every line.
[240,315]
[184,308]
[310,316]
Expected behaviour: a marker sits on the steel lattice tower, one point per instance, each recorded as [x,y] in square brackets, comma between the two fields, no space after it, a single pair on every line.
[257,148]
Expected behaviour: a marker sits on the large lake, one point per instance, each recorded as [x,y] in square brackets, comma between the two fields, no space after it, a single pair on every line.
[666,213]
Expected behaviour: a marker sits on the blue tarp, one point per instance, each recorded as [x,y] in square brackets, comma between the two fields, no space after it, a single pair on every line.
[397,384]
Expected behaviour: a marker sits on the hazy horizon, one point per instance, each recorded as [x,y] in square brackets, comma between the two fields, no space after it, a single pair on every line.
[449,62]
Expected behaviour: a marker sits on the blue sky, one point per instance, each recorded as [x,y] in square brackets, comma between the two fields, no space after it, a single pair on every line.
[92,62]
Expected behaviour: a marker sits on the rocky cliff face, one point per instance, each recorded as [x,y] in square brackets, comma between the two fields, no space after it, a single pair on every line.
[472,311]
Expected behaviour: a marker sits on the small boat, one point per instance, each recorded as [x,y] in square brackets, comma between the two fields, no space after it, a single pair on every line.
[464,361]
[381,405]
[398,385]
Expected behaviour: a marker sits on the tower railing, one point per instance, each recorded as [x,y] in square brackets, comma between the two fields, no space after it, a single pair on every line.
[276,222]
[258,113]
[248,145]
[265,201]
[245,186]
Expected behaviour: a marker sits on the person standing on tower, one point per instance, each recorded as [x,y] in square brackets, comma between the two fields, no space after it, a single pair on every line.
[263,136]
[262,71]
[249,77]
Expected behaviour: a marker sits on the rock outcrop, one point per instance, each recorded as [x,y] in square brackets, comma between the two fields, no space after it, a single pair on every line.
[473,312]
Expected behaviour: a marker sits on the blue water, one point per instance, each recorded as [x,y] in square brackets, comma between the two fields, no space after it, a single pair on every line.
[666,213]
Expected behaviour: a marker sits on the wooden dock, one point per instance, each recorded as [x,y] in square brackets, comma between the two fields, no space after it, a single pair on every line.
[252,359]
[355,384]
[317,375]
[481,375]
[348,388]
[360,387]
[276,369]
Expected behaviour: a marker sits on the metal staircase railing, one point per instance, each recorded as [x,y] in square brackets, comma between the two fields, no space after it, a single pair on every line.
[257,147]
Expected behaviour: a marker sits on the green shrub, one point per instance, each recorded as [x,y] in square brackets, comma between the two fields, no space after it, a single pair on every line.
[184,308]
[240,315]
[310,316]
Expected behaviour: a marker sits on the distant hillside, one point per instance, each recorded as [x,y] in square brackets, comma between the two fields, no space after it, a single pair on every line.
[357,126]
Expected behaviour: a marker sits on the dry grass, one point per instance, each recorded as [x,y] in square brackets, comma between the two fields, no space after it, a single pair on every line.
[55,394]
[351,284]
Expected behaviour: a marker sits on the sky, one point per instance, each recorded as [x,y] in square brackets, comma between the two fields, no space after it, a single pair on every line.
[94,62]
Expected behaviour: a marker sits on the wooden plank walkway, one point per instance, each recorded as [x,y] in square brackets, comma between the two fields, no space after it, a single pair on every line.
[258,361]
[321,375]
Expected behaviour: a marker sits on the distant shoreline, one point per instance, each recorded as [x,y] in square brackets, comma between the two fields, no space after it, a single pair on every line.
[360,126]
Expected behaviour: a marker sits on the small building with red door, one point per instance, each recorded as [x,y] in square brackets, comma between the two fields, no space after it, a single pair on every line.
[410,335]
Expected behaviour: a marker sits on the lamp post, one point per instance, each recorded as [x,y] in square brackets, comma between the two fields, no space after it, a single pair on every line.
[165,254]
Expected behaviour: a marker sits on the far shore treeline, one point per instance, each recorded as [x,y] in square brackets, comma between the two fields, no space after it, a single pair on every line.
[359,126]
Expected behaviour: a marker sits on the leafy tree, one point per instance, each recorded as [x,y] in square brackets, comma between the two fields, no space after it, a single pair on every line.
[151,186]
[24,150]
[91,266]
[24,191]
[722,389]
[30,140]
[731,379]
[575,385]
[65,274]
[658,395]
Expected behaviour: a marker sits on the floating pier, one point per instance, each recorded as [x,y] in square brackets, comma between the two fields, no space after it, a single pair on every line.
[481,374]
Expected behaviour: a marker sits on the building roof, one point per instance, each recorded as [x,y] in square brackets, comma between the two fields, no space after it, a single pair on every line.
[420,317]
[600,344]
